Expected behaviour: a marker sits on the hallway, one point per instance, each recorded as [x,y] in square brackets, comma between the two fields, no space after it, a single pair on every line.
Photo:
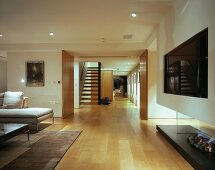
[115,138]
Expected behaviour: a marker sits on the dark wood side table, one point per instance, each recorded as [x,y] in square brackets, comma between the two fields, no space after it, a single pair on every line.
[9,130]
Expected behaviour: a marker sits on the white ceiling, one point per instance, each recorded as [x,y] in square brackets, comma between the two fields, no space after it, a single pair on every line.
[121,65]
[83,27]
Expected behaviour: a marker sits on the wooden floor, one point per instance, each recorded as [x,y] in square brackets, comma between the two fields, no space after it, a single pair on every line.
[114,138]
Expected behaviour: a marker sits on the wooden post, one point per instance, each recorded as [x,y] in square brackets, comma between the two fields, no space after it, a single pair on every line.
[144,85]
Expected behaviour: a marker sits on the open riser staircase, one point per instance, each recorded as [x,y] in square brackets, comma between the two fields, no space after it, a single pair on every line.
[90,90]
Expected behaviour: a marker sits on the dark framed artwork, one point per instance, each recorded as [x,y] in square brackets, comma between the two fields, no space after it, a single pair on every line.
[35,73]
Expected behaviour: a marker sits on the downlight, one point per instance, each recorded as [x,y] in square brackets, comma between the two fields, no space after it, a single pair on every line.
[51,33]
[134,14]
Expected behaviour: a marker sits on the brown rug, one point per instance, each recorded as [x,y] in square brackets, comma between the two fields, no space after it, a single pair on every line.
[46,149]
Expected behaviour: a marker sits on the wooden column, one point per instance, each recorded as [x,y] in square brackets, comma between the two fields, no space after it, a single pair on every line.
[144,85]
[67,84]
[107,84]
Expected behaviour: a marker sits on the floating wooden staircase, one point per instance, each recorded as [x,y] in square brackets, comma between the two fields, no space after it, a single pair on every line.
[90,90]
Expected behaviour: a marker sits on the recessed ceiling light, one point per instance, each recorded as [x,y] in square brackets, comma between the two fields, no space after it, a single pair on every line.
[1,35]
[51,33]
[133,14]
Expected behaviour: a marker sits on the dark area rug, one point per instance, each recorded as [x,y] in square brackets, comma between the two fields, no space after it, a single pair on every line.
[43,152]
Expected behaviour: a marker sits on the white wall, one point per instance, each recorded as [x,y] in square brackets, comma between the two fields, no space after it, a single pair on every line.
[48,96]
[152,63]
[3,76]
[155,110]
[187,18]
[76,82]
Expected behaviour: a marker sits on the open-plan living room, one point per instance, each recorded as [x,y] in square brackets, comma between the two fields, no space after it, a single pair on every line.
[107,85]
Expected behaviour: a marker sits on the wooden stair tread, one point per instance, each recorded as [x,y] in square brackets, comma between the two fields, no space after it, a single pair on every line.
[91,75]
[90,89]
[90,86]
[90,94]
[90,82]
[92,67]
[93,71]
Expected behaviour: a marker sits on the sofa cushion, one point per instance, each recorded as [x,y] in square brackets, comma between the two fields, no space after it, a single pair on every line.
[1,99]
[13,100]
[25,112]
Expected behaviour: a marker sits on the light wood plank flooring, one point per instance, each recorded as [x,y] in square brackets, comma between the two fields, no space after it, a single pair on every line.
[114,138]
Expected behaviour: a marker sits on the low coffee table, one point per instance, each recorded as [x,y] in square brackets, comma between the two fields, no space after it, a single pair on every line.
[9,130]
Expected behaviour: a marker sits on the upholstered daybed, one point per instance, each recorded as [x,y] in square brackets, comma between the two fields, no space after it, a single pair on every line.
[14,109]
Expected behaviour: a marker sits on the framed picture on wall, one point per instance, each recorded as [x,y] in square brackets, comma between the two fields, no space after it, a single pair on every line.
[35,73]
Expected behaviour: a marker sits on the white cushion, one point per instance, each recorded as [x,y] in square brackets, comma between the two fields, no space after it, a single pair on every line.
[13,100]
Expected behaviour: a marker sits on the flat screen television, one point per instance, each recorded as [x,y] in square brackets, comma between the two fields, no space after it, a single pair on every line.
[186,67]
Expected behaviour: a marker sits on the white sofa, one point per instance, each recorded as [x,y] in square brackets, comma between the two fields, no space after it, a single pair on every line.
[14,109]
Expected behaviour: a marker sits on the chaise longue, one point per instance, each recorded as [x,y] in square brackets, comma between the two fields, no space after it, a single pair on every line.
[14,109]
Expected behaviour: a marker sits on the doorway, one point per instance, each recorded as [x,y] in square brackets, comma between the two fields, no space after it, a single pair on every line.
[120,86]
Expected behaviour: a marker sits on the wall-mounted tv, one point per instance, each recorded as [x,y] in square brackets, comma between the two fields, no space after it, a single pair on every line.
[186,67]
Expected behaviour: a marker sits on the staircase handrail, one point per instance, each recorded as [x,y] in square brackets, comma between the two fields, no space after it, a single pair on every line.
[99,83]
[83,71]
[82,79]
